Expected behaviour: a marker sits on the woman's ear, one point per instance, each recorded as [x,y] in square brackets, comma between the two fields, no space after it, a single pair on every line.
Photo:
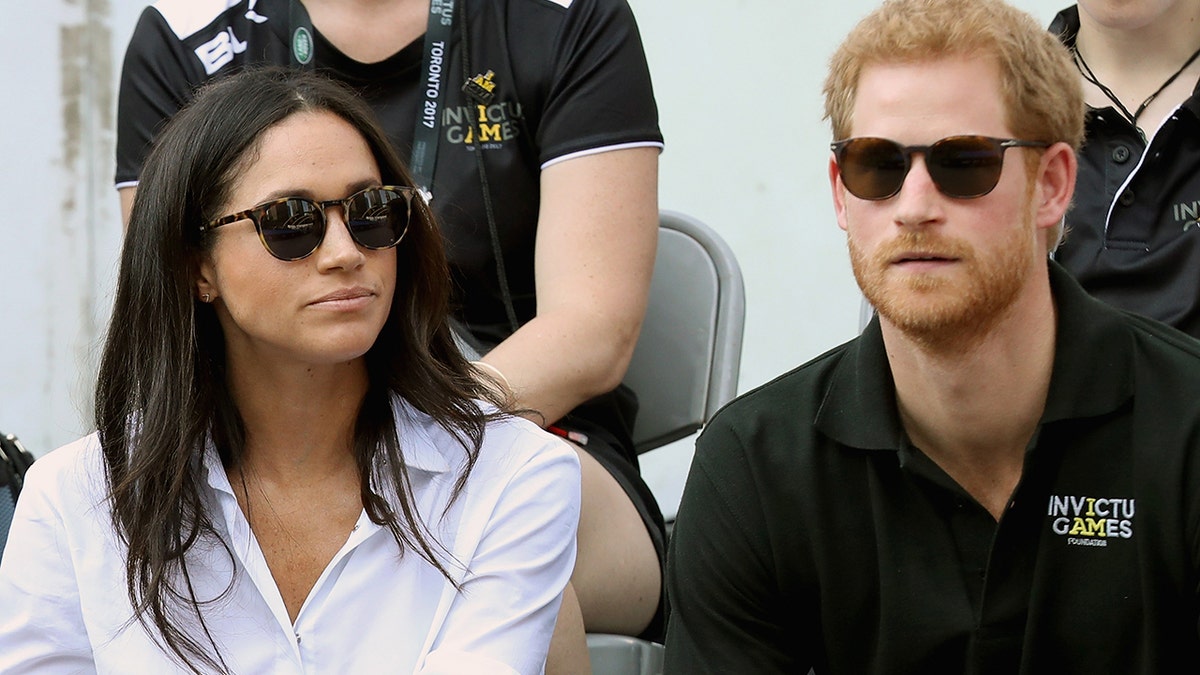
[206,287]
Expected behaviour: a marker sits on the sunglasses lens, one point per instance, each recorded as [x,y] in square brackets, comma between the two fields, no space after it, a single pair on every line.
[965,166]
[872,168]
[378,217]
[292,228]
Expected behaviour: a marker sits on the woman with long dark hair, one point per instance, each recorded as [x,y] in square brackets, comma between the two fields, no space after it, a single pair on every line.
[295,469]
[534,126]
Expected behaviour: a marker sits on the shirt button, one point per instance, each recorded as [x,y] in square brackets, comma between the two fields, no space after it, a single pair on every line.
[1120,154]
[1126,198]
[297,638]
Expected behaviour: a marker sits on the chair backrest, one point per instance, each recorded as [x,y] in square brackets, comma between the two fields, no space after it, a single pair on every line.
[14,462]
[686,362]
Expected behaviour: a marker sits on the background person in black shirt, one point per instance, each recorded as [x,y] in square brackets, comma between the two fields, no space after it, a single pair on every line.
[1132,237]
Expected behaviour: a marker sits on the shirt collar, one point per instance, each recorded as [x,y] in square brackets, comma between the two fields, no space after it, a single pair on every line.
[1092,373]
[1066,25]
[423,443]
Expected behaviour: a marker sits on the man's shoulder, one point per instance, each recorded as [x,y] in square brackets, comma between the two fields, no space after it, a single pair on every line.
[1114,353]
[1157,342]
[1101,344]
[769,442]
[792,398]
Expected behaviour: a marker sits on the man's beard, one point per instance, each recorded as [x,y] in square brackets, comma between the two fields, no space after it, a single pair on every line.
[928,307]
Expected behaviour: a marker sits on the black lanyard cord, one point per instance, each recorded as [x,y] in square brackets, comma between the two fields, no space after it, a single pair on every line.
[478,92]
[1086,71]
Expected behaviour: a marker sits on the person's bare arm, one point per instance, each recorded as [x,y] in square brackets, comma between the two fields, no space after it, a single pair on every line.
[126,196]
[596,240]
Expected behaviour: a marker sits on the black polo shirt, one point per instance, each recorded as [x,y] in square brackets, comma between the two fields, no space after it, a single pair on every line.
[1133,234]
[812,532]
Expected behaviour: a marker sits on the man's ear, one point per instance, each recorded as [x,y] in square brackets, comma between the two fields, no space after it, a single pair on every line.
[839,191]
[1055,185]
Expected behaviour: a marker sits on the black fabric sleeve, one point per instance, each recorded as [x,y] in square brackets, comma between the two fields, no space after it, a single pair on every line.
[728,613]
[601,92]
[156,81]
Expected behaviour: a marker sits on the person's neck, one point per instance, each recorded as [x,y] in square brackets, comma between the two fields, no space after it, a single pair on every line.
[973,409]
[298,420]
[1134,63]
[1161,45]
[369,31]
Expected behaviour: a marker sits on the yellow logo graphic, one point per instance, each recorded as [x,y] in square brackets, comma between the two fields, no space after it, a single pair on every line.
[481,88]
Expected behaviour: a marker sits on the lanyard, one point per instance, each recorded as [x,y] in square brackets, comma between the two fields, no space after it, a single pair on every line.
[433,86]
[433,83]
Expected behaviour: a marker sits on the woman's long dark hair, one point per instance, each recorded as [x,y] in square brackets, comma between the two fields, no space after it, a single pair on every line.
[162,390]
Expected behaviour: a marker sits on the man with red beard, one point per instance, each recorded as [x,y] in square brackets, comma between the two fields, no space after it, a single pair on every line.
[1000,475]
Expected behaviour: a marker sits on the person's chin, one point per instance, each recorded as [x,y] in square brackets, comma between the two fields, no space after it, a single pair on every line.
[347,344]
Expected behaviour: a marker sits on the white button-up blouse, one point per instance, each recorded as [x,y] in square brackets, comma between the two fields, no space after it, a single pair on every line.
[510,537]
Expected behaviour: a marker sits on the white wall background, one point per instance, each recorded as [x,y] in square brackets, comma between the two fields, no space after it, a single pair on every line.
[739,92]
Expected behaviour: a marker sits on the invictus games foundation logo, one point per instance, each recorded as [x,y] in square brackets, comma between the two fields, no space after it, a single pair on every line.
[1091,521]
[1187,213]
[302,46]
[495,123]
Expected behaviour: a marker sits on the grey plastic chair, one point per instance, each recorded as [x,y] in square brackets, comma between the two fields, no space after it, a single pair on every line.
[686,362]
[684,368]
[624,655]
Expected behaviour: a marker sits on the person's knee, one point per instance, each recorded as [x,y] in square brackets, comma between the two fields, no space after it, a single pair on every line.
[568,646]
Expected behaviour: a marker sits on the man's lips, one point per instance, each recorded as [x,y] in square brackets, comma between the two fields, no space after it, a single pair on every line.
[922,258]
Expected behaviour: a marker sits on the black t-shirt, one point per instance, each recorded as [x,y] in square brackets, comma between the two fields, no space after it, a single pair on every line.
[812,533]
[570,75]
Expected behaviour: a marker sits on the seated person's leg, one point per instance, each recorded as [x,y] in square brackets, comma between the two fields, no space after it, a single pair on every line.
[617,576]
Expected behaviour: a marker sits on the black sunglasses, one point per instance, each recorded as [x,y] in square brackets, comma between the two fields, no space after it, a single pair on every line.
[292,228]
[963,167]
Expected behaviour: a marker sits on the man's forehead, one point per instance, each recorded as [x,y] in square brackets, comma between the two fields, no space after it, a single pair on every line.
[958,94]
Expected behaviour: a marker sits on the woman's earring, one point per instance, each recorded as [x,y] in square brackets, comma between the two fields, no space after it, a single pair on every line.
[204,298]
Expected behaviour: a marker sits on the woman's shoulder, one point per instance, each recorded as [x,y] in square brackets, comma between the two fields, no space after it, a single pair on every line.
[70,475]
[509,443]
[519,437]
